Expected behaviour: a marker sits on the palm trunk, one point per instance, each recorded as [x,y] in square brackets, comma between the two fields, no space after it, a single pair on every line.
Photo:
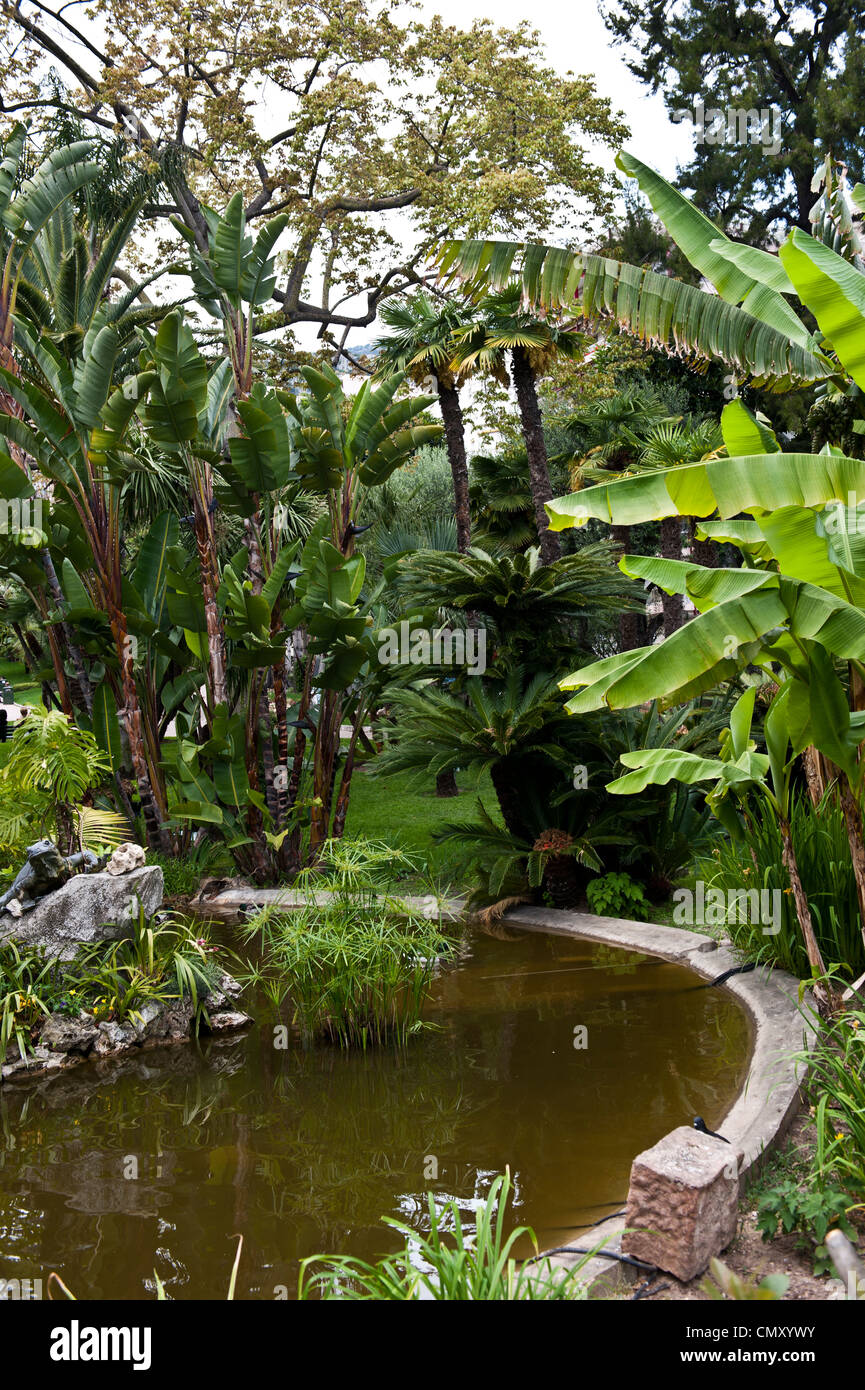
[452,418]
[446,784]
[803,913]
[853,822]
[630,634]
[813,775]
[509,789]
[72,647]
[206,546]
[129,715]
[342,801]
[671,549]
[702,552]
[536,449]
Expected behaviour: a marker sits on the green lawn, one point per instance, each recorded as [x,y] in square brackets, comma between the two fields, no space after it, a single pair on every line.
[403,810]
[25,692]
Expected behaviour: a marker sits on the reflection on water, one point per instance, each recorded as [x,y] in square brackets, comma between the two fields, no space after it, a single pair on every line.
[117,1169]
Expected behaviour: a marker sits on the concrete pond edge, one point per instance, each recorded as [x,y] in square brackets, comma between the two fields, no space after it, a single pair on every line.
[770,1097]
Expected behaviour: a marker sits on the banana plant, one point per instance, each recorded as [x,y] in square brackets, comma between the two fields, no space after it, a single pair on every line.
[234,278]
[796,605]
[738,773]
[339,450]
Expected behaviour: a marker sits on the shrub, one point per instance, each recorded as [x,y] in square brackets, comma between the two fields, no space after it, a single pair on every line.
[823,855]
[617,895]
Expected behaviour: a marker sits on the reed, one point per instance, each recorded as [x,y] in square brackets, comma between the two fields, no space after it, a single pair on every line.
[448,1263]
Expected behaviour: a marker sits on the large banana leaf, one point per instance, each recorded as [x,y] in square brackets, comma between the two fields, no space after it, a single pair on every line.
[757,482]
[744,434]
[93,377]
[106,725]
[834,291]
[658,766]
[656,308]
[697,237]
[259,276]
[180,394]
[711,648]
[151,569]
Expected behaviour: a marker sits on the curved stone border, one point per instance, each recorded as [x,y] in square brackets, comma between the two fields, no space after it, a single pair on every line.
[770,1097]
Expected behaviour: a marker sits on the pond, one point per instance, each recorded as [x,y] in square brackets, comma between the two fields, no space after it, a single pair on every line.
[555,1057]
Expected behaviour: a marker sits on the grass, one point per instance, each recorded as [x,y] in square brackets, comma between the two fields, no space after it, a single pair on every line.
[404,811]
[26,693]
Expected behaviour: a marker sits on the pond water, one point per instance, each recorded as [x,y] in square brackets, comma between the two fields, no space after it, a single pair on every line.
[119,1169]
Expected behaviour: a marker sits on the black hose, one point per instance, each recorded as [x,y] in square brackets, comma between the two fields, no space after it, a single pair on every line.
[601,1254]
[736,970]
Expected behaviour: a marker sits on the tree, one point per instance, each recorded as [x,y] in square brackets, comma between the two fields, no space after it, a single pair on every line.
[367,115]
[502,327]
[421,344]
[672,444]
[806,60]
[616,427]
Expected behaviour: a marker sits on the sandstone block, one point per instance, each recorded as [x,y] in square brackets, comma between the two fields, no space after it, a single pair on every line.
[683,1202]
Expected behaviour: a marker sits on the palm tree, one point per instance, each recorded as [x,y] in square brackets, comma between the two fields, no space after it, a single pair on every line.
[616,428]
[422,346]
[672,444]
[533,343]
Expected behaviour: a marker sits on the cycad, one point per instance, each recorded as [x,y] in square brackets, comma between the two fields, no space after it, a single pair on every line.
[570,602]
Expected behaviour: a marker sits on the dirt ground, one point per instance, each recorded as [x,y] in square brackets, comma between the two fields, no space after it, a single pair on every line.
[749,1255]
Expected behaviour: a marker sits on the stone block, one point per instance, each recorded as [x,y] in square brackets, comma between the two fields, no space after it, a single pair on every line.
[683,1202]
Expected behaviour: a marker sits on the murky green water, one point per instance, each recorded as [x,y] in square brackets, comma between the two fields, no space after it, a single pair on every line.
[115,1170]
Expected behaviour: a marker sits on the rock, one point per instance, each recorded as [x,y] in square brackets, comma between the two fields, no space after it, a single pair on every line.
[228,1021]
[682,1202]
[113,1037]
[15,908]
[90,907]
[172,1023]
[221,994]
[64,1034]
[125,858]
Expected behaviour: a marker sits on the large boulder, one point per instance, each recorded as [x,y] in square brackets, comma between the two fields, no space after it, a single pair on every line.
[90,907]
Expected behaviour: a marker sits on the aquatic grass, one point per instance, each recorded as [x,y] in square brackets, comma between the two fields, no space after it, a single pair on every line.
[355,975]
[447,1266]
[28,993]
[355,960]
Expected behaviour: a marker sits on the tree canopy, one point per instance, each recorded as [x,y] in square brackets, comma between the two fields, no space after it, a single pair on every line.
[375,135]
[805,59]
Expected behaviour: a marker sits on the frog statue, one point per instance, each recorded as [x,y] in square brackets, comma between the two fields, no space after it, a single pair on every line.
[46,869]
